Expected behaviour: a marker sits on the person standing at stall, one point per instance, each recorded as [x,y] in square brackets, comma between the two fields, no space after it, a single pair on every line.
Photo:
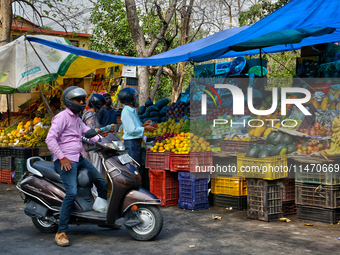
[133,128]
[108,115]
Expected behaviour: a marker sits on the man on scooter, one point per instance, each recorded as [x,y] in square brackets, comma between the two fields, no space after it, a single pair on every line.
[65,143]
[133,128]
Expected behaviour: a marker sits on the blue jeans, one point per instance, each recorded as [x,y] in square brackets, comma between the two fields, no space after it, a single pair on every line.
[134,149]
[69,179]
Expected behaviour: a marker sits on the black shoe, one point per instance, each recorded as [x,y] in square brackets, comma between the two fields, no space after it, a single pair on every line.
[112,226]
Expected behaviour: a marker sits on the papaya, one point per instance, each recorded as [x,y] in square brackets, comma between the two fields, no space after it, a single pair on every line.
[324,103]
[259,131]
[267,132]
[315,103]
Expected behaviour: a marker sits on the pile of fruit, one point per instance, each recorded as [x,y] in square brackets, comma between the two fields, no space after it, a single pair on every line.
[167,128]
[236,138]
[312,147]
[318,130]
[183,143]
[335,141]
[200,127]
[277,143]
[156,113]
[178,110]
[326,102]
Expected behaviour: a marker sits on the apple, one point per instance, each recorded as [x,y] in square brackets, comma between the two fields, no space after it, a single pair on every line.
[298,146]
[309,152]
[309,148]
[314,142]
[322,133]
[316,126]
[312,132]
[306,132]
[320,146]
[329,133]
[316,148]
[301,130]
[324,128]
[299,151]
[304,148]
[326,146]
[317,132]
[310,144]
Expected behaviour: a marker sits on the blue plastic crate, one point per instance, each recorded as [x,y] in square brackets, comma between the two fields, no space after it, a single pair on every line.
[193,192]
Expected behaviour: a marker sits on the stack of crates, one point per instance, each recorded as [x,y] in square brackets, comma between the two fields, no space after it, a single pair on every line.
[6,165]
[163,183]
[20,156]
[264,200]
[193,184]
[289,206]
[317,192]
[230,192]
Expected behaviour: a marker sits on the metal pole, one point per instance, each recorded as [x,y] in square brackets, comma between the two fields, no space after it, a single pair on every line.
[46,103]
[261,62]
[8,112]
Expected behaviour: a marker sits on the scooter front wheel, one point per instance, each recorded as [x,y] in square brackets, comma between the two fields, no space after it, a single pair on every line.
[152,222]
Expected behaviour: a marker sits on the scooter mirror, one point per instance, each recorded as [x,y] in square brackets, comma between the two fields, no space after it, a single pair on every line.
[90,133]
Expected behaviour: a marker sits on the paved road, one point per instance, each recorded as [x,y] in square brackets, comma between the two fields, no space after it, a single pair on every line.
[183,232]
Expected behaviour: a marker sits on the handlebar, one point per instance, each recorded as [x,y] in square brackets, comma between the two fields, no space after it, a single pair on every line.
[95,147]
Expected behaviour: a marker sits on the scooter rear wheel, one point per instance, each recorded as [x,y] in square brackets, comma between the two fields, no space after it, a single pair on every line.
[45,226]
[152,223]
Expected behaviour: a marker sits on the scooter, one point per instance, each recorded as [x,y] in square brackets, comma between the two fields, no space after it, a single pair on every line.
[44,192]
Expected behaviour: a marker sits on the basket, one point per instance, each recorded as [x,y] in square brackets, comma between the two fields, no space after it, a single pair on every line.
[312,213]
[157,160]
[288,190]
[234,186]
[323,173]
[327,196]
[308,119]
[264,200]
[238,146]
[191,162]
[193,193]
[6,176]
[226,201]
[270,168]
[164,185]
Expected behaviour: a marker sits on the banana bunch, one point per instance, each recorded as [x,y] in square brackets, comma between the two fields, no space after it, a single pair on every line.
[335,141]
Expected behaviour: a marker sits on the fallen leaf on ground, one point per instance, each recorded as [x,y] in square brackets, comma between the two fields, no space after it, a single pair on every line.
[308,224]
[9,189]
[217,217]
[285,219]
[192,246]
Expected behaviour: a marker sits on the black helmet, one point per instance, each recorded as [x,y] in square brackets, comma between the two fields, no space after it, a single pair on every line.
[128,96]
[97,101]
[74,92]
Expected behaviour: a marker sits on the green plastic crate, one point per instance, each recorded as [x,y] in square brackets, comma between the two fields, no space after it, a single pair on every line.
[323,173]
[20,168]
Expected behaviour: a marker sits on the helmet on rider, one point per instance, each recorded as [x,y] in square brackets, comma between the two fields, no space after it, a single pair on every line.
[76,93]
[97,101]
[129,96]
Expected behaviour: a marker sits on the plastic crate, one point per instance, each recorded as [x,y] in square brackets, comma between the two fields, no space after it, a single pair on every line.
[238,203]
[21,152]
[327,196]
[191,162]
[264,200]
[7,163]
[6,176]
[323,173]
[225,166]
[193,193]
[308,119]
[20,168]
[157,160]
[234,186]
[5,151]
[164,185]
[288,190]
[270,168]
[313,213]
[289,208]
[238,146]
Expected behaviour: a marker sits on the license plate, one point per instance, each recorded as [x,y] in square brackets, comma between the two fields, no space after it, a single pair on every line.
[124,159]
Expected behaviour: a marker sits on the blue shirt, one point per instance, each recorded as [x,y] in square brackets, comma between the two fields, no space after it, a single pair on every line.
[107,116]
[132,126]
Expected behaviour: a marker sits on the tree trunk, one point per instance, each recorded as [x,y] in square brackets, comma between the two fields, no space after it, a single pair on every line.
[5,20]
[157,82]
[177,81]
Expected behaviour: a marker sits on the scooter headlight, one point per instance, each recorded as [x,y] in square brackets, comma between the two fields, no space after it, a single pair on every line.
[116,145]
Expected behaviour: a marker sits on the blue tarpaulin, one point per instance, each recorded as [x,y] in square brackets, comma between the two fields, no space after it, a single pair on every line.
[296,14]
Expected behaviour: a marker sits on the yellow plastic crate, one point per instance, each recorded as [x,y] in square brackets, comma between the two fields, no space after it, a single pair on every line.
[233,186]
[270,168]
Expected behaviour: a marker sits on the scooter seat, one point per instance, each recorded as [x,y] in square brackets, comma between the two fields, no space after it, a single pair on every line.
[46,168]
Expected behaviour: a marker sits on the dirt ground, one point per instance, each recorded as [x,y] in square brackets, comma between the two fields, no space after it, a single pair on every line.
[183,232]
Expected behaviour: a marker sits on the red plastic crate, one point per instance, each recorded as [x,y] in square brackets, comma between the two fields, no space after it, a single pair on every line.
[238,146]
[6,176]
[157,160]
[288,190]
[164,185]
[188,162]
